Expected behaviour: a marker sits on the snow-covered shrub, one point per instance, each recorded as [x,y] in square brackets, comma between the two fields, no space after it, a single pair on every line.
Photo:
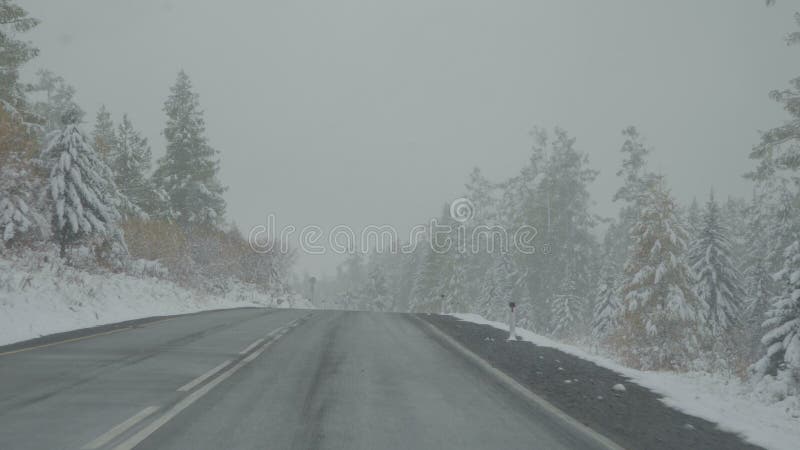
[155,240]
[144,268]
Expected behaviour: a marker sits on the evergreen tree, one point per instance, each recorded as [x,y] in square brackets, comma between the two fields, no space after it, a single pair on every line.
[14,52]
[778,151]
[451,249]
[552,194]
[497,288]
[20,216]
[634,170]
[734,215]
[606,302]
[758,283]
[105,138]
[694,219]
[82,189]
[778,157]
[376,293]
[718,284]
[457,295]
[469,269]
[59,100]
[130,161]
[782,339]
[407,274]
[662,321]
[568,309]
[425,295]
[188,172]
[636,180]
[575,248]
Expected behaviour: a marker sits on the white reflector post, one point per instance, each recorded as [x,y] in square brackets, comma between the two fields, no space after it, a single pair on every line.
[512,322]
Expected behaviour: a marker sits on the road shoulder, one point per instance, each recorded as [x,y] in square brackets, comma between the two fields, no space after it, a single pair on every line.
[635,418]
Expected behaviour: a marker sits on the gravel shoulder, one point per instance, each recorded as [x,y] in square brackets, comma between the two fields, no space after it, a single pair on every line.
[634,418]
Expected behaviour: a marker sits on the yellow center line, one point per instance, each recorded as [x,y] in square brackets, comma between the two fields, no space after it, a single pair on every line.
[105,333]
[51,344]
[157,321]
[81,338]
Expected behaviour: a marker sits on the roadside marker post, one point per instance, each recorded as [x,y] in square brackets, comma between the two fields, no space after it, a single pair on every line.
[512,322]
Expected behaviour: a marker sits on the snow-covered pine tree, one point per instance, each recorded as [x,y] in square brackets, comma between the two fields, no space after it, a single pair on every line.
[782,339]
[474,265]
[376,292]
[20,217]
[59,100]
[758,284]
[662,322]
[568,310]
[130,161]
[694,219]
[453,253]
[778,156]
[403,282]
[778,150]
[105,137]
[606,302]
[188,172]
[425,295]
[81,186]
[552,194]
[497,288]
[635,180]
[734,215]
[718,280]
[634,168]
[455,287]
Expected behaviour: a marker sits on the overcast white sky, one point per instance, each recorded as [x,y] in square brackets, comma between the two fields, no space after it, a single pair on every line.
[365,111]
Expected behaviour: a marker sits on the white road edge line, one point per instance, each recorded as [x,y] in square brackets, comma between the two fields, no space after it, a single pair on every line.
[109,435]
[522,390]
[251,346]
[188,386]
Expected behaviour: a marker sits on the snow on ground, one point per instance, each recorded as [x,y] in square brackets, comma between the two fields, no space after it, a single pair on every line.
[729,402]
[41,296]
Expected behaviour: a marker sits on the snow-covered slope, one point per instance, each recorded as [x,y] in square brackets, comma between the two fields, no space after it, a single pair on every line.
[734,405]
[39,295]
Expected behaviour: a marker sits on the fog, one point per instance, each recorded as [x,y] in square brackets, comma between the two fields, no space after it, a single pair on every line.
[366,112]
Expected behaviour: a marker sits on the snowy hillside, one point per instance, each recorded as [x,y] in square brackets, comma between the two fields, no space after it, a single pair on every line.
[40,295]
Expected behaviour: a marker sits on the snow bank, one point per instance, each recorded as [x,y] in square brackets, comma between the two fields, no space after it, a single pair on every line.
[729,402]
[39,295]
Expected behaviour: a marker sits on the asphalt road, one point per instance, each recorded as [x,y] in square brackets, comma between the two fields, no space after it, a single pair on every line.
[268,379]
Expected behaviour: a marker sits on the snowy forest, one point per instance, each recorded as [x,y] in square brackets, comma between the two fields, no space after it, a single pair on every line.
[713,285]
[91,194]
